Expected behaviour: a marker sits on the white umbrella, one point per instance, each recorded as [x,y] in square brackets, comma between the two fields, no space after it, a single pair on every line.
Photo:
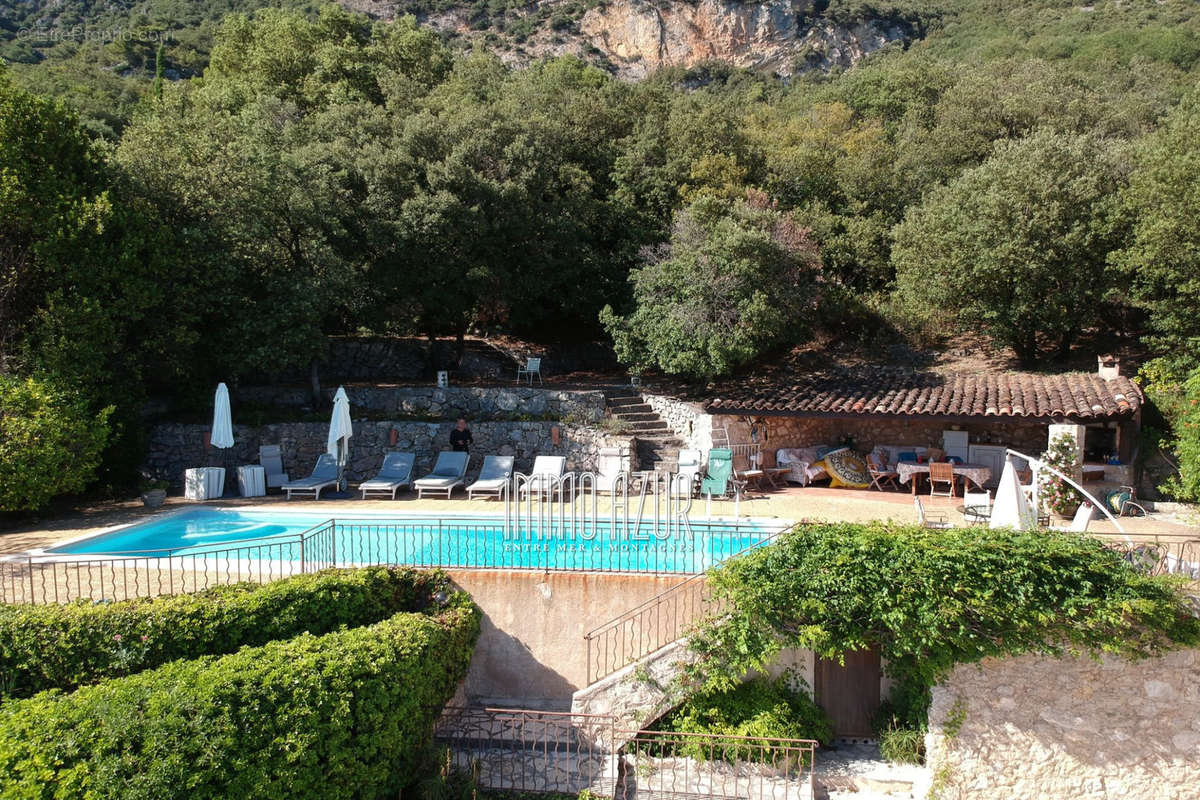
[1012,509]
[340,431]
[222,424]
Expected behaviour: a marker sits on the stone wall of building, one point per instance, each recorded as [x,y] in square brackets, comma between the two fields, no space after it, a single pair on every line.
[473,402]
[1034,727]
[690,421]
[174,447]
[869,431]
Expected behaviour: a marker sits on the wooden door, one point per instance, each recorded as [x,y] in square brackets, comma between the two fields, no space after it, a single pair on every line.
[849,694]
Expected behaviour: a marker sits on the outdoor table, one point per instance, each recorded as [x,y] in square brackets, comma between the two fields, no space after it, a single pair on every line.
[252,480]
[981,515]
[976,515]
[203,483]
[978,474]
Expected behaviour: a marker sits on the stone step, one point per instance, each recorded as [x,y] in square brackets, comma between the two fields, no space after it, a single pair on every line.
[637,416]
[650,428]
[624,400]
[633,408]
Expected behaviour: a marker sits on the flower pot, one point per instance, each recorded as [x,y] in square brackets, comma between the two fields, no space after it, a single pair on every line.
[154,498]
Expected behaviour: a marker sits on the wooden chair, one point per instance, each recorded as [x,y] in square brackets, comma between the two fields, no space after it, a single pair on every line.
[775,474]
[941,472]
[743,472]
[881,474]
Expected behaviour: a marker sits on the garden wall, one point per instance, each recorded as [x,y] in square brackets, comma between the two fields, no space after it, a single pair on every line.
[474,403]
[173,447]
[690,421]
[1033,727]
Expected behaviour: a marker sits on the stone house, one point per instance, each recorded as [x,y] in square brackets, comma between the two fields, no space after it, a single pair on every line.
[976,414]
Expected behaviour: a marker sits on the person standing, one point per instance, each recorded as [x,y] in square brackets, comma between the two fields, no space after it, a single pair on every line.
[460,438]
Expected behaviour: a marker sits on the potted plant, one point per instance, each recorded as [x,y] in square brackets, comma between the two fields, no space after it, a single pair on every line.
[1057,496]
[154,492]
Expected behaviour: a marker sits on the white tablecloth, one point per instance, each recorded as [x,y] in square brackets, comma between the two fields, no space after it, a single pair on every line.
[252,480]
[203,483]
[978,474]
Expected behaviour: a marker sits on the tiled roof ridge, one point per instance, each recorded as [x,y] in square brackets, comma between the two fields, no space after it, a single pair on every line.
[865,389]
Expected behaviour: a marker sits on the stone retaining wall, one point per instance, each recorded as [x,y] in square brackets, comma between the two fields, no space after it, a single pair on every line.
[690,421]
[173,447]
[475,403]
[1033,727]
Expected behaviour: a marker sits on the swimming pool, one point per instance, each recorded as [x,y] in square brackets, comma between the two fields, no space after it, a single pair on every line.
[474,541]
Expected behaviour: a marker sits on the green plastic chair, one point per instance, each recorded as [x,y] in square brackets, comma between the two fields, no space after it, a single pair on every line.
[720,471]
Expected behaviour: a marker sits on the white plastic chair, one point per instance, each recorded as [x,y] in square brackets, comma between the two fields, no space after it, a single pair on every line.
[533,366]
[936,521]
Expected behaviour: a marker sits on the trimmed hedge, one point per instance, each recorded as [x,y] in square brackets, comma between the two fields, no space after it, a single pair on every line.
[64,647]
[342,715]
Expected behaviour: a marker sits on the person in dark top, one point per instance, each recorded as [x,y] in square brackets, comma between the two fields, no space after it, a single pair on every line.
[460,437]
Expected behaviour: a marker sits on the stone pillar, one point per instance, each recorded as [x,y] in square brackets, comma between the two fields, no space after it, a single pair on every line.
[1075,433]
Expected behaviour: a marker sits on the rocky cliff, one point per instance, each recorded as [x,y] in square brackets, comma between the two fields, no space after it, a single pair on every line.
[779,36]
[635,37]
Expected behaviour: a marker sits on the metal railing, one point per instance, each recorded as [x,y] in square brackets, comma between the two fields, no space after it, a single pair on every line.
[656,623]
[666,764]
[147,573]
[543,752]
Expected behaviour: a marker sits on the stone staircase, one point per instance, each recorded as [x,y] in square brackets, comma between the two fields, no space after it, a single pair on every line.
[657,445]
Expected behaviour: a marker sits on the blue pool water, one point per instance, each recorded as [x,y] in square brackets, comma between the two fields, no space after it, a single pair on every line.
[478,541]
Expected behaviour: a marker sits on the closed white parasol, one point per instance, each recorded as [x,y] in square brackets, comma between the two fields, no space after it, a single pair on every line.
[340,431]
[1012,508]
[222,424]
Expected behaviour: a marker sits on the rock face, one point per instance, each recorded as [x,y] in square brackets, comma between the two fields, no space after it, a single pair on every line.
[639,37]
[635,37]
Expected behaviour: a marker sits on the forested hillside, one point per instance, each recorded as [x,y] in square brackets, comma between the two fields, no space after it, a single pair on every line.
[1024,174]
[103,55]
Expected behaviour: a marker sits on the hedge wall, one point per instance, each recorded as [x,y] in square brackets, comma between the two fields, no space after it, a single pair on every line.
[336,716]
[64,647]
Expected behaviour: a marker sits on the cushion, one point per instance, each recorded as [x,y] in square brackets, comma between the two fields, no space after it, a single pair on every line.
[824,450]
[907,455]
[846,468]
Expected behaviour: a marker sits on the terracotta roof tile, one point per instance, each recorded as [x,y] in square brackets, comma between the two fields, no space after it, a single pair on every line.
[882,390]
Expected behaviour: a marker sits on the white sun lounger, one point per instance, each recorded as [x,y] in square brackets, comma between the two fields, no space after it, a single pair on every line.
[271,459]
[324,475]
[493,477]
[447,474]
[394,475]
[543,478]
[610,466]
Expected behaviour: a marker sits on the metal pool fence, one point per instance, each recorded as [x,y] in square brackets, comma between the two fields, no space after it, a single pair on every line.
[542,752]
[52,578]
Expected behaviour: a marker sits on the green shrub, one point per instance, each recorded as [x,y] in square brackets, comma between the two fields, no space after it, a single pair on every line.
[63,647]
[759,708]
[50,443]
[335,716]
[1186,484]
[902,745]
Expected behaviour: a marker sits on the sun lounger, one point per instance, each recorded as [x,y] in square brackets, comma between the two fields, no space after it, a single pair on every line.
[394,475]
[610,466]
[324,475]
[545,475]
[493,477]
[271,460]
[447,474]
